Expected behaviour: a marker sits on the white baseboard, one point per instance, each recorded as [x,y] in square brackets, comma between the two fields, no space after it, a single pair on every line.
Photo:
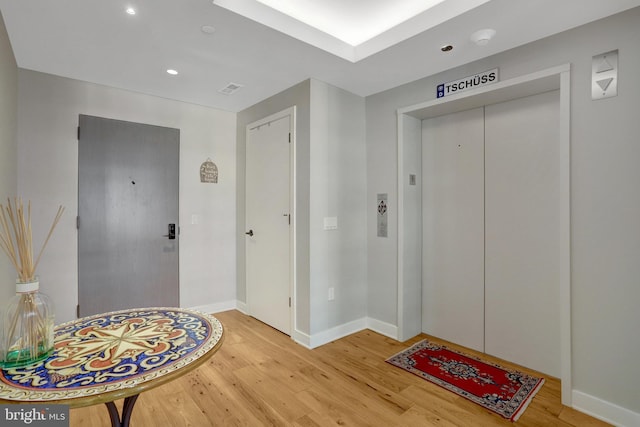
[341,331]
[603,410]
[217,307]
[383,328]
[301,338]
[241,306]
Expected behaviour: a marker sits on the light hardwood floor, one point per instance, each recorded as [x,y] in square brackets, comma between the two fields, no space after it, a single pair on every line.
[260,377]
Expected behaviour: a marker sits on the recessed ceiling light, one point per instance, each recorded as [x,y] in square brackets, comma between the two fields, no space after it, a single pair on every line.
[208,29]
[131,11]
[446,48]
[172,72]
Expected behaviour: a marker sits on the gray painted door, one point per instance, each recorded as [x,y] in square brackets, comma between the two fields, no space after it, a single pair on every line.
[127,197]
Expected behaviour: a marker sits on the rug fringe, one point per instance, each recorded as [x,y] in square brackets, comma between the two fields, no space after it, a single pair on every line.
[526,403]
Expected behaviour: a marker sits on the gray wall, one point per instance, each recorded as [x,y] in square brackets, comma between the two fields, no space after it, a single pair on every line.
[330,182]
[48,110]
[605,200]
[8,145]
[338,185]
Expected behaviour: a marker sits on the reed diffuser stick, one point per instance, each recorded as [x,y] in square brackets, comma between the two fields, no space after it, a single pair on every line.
[27,330]
[16,237]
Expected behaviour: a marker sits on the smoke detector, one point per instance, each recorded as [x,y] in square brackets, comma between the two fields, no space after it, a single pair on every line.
[482,37]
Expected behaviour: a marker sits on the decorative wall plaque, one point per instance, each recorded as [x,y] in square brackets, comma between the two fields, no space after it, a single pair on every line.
[209,172]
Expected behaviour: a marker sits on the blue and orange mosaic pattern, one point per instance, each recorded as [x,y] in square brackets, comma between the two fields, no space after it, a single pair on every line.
[114,351]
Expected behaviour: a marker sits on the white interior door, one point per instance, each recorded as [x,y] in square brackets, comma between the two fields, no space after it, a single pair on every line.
[268,251]
[453,227]
[523,220]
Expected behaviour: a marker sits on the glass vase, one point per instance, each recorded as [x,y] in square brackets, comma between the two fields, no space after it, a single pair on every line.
[27,327]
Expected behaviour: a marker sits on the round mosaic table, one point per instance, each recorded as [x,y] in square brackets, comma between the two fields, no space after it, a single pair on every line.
[117,355]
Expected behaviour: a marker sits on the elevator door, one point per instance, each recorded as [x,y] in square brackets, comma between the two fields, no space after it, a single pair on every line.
[522,232]
[491,230]
[453,227]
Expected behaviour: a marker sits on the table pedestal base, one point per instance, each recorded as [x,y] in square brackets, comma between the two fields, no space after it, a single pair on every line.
[127,409]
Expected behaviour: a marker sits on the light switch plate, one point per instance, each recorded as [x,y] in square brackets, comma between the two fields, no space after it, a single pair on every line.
[330,223]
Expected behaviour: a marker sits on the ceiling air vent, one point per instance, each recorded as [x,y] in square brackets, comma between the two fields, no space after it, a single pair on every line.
[230,88]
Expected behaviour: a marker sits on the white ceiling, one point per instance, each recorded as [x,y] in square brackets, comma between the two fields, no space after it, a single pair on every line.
[96,41]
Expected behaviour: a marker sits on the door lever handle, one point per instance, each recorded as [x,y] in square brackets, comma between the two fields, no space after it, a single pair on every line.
[249,233]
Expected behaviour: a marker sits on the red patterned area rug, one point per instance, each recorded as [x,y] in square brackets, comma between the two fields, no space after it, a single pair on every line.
[507,393]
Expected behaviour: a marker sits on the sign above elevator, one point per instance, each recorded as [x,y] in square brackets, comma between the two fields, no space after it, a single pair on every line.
[466,83]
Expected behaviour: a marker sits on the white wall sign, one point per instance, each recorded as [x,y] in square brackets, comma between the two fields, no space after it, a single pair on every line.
[604,75]
[466,83]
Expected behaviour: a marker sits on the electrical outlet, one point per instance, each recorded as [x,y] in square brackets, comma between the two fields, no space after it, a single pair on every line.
[332,295]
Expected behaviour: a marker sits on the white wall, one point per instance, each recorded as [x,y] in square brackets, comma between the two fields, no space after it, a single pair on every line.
[605,203]
[8,147]
[337,189]
[48,110]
